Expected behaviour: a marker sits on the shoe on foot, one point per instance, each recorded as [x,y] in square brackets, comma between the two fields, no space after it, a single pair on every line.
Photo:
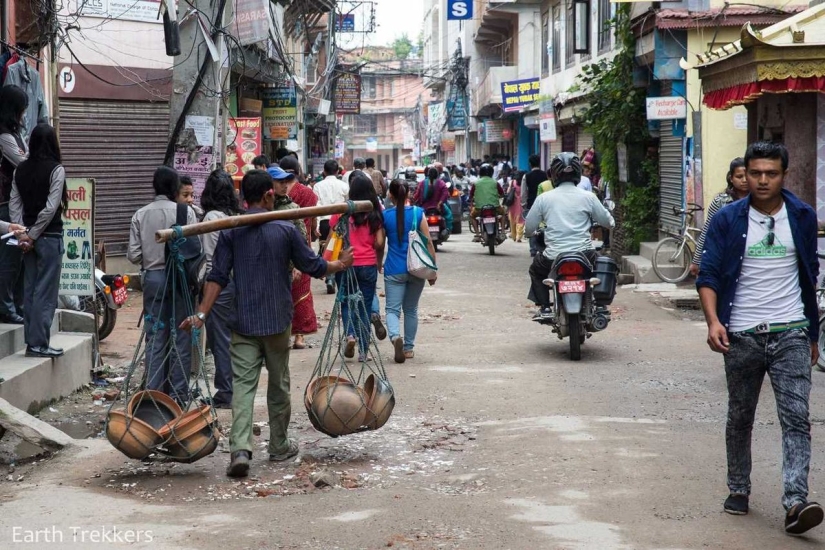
[544,314]
[380,330]
[239,465]
[330,288]
[43,351]
[12,319]
[349,348]
[736,504]
[398,345]
[803,517]
[291,450]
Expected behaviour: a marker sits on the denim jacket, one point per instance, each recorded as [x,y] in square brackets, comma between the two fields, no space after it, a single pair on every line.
[725,248]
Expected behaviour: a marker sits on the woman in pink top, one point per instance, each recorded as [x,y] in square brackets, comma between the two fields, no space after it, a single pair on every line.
[366,237]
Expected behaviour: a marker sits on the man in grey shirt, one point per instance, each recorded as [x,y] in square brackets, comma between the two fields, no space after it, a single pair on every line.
[568,212]
[167,363]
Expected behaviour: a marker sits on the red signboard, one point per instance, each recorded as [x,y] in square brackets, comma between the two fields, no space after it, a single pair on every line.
[243,143]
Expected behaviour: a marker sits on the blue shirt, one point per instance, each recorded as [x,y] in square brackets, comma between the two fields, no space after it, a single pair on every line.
[396,261]
[259,256]
[725,249]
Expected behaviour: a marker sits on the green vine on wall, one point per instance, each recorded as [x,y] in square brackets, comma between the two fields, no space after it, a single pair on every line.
[640,207]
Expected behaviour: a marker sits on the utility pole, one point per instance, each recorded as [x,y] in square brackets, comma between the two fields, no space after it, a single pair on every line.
[461,80]
[197,87]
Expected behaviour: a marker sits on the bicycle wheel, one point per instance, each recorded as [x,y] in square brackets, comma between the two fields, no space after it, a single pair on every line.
[671,260]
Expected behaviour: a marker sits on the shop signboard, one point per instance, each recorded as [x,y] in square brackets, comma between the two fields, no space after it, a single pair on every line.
[347,97]
[243,143]
[345,22]
[197,164]
[251,24]
[496,131]
[340,148]
[459,10]
[456,113]
[372,145]
[547,127]
[448,143]
[666,108]
[280,112]
[146,11]
[519,94]
[78,267]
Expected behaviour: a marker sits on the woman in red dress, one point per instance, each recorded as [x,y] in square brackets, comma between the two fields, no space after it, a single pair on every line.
[304,320]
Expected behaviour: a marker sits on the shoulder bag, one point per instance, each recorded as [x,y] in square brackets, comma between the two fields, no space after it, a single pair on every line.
[419,261]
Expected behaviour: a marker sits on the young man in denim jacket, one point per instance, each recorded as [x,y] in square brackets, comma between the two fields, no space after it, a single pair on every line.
[757,285]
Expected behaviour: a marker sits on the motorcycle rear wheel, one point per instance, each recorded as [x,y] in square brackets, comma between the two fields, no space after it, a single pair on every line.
[575,336]
[106,317]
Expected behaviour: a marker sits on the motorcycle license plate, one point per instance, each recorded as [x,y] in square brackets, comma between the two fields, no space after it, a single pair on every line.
[434,234]
[488,220]
[120,295]
[567,287]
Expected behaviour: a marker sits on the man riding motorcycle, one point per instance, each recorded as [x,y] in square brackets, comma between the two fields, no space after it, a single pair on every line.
[486,192]
[568,213]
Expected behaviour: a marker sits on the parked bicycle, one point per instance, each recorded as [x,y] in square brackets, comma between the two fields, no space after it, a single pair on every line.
[820,302]
[673,254]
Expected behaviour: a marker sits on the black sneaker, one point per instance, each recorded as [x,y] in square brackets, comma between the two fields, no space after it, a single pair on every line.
[803,517]
[380,330]
[239,465]
[736,504]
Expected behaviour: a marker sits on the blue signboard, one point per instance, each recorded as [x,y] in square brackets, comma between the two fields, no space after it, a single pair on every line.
[345,23]
[458,10]
[518,94]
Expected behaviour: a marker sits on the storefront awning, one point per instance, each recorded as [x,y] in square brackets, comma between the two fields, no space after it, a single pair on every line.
[787,57]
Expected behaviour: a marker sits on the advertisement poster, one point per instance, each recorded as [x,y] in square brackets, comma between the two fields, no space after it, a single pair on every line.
[372,145]
[347,97]
[78,269]
[518,94]
[339,148]
[494,131]
[197,165]
[126,10]
[243,143]
[547,127]
[251,23]
[280,112]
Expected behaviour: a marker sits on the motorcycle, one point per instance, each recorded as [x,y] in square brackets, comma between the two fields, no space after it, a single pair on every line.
[488,224]
[110,294]
[582,293]
[439,232]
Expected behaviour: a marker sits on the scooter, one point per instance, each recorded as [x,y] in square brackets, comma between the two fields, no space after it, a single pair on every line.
[439,232]
[582,293]
[488,224]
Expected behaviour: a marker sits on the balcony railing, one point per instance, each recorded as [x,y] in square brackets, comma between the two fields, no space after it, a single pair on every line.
[489,93]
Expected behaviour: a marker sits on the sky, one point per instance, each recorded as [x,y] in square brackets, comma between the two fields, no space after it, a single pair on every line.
[393,18]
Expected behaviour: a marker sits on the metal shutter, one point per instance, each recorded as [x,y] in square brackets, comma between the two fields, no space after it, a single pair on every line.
[584,140]
[671,181]
[119,144]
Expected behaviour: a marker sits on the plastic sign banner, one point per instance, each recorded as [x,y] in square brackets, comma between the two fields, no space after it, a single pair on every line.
[280,112]
[458,10]
[519,94]
[77,271]
[666,108]
[547,127]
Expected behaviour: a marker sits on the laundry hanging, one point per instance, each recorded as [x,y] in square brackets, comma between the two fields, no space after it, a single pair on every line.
[20,74]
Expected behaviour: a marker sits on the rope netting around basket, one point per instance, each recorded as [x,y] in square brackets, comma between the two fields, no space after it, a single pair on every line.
[349,394]
[167,404]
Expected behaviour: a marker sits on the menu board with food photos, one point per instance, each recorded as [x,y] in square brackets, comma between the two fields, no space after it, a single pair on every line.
[243,143]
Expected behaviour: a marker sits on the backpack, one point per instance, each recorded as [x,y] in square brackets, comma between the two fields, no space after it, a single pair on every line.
[194,259]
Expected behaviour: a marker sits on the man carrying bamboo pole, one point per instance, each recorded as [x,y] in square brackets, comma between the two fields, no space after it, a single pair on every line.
[259,257]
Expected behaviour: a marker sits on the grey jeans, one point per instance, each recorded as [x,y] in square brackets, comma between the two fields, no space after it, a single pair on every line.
[43,265]
[786,358]
[168,349]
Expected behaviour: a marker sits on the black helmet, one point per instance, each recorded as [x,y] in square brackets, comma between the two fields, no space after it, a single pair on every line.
[566,167]
[486,171]
[410,174]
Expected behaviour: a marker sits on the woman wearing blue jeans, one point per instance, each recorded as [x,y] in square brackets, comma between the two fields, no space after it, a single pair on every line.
[402,289]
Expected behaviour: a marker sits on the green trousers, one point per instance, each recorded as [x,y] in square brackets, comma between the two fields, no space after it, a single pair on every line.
[249,353]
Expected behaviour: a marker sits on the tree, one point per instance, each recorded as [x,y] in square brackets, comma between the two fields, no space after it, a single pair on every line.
[402,46]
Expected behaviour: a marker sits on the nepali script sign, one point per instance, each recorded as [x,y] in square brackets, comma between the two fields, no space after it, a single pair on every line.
[78,269]
[519,94]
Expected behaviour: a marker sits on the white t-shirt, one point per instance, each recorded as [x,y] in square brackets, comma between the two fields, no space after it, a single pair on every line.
[585,184]
[330,190]
[768,286]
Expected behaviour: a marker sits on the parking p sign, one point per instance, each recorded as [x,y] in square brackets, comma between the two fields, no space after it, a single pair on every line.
[458,10]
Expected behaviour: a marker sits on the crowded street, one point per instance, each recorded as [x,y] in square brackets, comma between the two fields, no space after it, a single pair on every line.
[498,440]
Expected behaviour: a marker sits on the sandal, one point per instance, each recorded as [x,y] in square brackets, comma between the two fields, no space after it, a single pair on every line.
[409,354]
[398,344]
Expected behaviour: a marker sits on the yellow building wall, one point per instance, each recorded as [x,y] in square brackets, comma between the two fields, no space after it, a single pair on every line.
[724,136]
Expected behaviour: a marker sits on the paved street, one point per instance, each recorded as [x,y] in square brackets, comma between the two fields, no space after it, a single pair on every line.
[498,441]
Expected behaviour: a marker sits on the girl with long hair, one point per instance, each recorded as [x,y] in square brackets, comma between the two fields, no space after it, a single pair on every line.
[38,203]
[367,239]
[219,201]
[403,290]
[13,151]
[736,189]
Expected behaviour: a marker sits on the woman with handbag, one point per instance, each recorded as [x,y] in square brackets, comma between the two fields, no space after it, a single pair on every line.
[403,289]
[367,239]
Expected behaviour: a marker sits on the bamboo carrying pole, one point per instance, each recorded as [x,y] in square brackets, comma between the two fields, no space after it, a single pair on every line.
[231,222]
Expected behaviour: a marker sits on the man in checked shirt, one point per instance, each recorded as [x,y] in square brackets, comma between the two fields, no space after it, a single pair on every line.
[258,258]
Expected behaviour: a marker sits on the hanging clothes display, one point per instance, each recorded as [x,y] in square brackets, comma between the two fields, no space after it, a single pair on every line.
[25,77]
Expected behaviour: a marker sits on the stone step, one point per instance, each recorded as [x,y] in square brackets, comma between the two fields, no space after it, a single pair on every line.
[646,249]
[31,383]
[641,268]
[11,339]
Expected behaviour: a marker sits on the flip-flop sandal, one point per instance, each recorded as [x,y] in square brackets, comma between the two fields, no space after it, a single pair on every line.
[299,346]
